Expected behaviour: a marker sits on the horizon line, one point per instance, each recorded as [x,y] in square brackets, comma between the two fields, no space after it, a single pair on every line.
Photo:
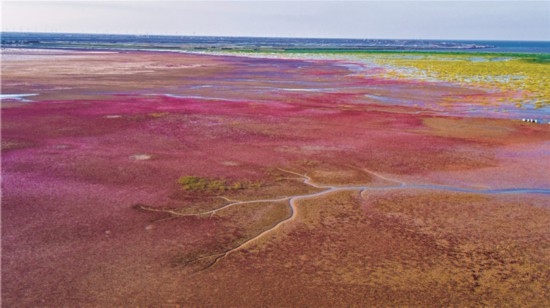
[279,37]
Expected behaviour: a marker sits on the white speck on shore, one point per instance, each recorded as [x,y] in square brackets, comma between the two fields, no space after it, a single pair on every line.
[140,157]
[230,163]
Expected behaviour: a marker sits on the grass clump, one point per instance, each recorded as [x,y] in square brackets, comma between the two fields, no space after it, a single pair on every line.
[195,183]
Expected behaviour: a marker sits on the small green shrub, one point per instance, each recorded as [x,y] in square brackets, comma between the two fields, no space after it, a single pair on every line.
[195,183]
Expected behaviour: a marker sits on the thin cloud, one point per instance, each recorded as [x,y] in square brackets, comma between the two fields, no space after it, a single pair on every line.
[498,20]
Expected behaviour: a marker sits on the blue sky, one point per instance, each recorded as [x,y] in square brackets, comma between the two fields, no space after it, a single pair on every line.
[496,20]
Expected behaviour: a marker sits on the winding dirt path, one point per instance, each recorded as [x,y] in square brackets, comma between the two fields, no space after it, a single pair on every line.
[326,189]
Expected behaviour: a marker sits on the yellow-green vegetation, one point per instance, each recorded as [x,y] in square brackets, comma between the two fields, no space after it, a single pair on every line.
[195,183]
[516,78]
[527,78]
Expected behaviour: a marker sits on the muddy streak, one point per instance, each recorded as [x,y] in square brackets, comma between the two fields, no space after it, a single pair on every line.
[328,189]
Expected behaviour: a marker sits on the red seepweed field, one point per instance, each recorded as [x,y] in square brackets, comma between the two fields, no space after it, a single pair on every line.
[166,179]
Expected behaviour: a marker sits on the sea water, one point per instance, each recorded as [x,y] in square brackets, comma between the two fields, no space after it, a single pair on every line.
[116,41]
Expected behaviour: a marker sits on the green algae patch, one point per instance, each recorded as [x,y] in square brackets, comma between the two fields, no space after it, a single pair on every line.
[521,78]
[195,183]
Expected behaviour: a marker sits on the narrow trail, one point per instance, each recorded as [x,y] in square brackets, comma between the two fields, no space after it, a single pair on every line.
[326,189]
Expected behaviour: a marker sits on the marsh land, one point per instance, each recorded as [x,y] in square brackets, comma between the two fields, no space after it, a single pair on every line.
[246,178]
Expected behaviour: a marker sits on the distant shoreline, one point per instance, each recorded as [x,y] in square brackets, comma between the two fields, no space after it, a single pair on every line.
[239,44]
